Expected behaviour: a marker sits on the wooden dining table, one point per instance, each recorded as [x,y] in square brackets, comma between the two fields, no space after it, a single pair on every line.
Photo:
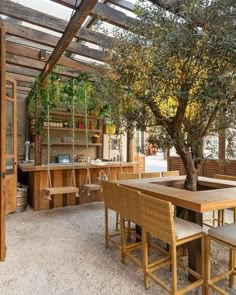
[214,194]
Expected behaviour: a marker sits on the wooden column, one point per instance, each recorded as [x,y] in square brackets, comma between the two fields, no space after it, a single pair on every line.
[2,141]
[130,145]
[222,152]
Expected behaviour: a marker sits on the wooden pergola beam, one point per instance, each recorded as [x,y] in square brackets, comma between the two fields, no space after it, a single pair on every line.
[21,78]
[43,38]
[47,21]
[18,69]
[29,63]
[74,25]
[123,4]
[112,16]
[105,13]
[32,53]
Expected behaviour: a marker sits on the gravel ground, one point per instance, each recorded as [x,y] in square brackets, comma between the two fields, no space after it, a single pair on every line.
[61,251]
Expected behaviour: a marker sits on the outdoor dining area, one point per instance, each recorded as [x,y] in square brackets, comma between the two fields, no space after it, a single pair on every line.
[90,92]
[149,204]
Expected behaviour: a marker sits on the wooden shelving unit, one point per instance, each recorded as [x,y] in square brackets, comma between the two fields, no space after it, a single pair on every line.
[70,143]
[70,129]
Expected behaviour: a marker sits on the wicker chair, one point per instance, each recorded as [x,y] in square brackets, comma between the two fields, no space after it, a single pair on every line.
[226,236]
[170,173]
[130,211]
[112,201]
[150,174]
[218,217]
[125,176]
[232,178]
[157,219]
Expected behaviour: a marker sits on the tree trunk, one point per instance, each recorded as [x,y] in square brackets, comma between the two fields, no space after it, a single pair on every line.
[191,168]
[191,179]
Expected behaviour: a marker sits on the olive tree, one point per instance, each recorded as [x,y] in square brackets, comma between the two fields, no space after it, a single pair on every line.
[176,72]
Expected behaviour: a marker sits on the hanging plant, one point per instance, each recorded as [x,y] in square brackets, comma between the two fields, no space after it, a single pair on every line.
[43,94]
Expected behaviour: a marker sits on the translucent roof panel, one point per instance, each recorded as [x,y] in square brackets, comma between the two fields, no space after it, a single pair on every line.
[48,7]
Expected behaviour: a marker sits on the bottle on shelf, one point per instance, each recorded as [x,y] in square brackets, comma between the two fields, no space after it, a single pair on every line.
[65,124]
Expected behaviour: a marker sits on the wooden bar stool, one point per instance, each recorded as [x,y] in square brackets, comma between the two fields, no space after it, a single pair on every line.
[226,236]
[170,173]
[125,176]
[130,211]
[150,174]
[158,220]
[112,201]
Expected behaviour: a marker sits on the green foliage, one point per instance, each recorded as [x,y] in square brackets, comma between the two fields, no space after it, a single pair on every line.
[179,72]
[55,94]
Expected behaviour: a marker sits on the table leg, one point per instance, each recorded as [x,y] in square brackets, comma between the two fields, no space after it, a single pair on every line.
[194,247]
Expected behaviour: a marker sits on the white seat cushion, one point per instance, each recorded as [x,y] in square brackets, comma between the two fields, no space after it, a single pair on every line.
[225,233]
[184,228]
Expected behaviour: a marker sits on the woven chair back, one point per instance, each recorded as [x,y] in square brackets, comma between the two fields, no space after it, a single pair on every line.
[157,218]
[170,173]
[131,204]
[150,174]
[112,199]
[125,176]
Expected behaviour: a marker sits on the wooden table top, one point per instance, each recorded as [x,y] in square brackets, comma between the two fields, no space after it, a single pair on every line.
[222,194]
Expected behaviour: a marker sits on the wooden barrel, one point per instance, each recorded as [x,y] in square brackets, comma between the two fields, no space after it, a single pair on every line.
[21,199]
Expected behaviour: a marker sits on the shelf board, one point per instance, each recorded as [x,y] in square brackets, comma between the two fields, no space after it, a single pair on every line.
[71,129]
[70,143]
[70,114]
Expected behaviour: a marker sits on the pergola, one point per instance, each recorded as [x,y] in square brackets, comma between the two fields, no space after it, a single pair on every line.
[26,56]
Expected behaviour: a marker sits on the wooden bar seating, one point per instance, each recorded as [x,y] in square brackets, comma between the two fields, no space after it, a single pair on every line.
[170,173]
[226,236]
[150,174]
[158,220]
[130,211]
[232,178]
[218,217]
[125,176]
[112,201]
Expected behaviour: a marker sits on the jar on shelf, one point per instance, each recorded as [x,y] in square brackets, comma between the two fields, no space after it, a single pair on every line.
[96,138]
[90,125]
[65,124]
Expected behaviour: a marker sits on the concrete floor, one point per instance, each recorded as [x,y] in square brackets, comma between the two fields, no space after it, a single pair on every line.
[61,251]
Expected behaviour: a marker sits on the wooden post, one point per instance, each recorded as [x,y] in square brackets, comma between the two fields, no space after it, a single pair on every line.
[2,141]
[222,152]
[130,145]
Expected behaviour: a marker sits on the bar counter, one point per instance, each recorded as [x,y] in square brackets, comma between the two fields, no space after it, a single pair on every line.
[61,177]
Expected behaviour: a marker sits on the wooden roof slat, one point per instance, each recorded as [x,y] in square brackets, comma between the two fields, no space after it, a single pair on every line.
[112,16]
[21,78]
[34,64]
[123,4]
[28,52]
[105,13]
[74,25]
[53,23]
[51,40]
[23,84]
[21,70]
